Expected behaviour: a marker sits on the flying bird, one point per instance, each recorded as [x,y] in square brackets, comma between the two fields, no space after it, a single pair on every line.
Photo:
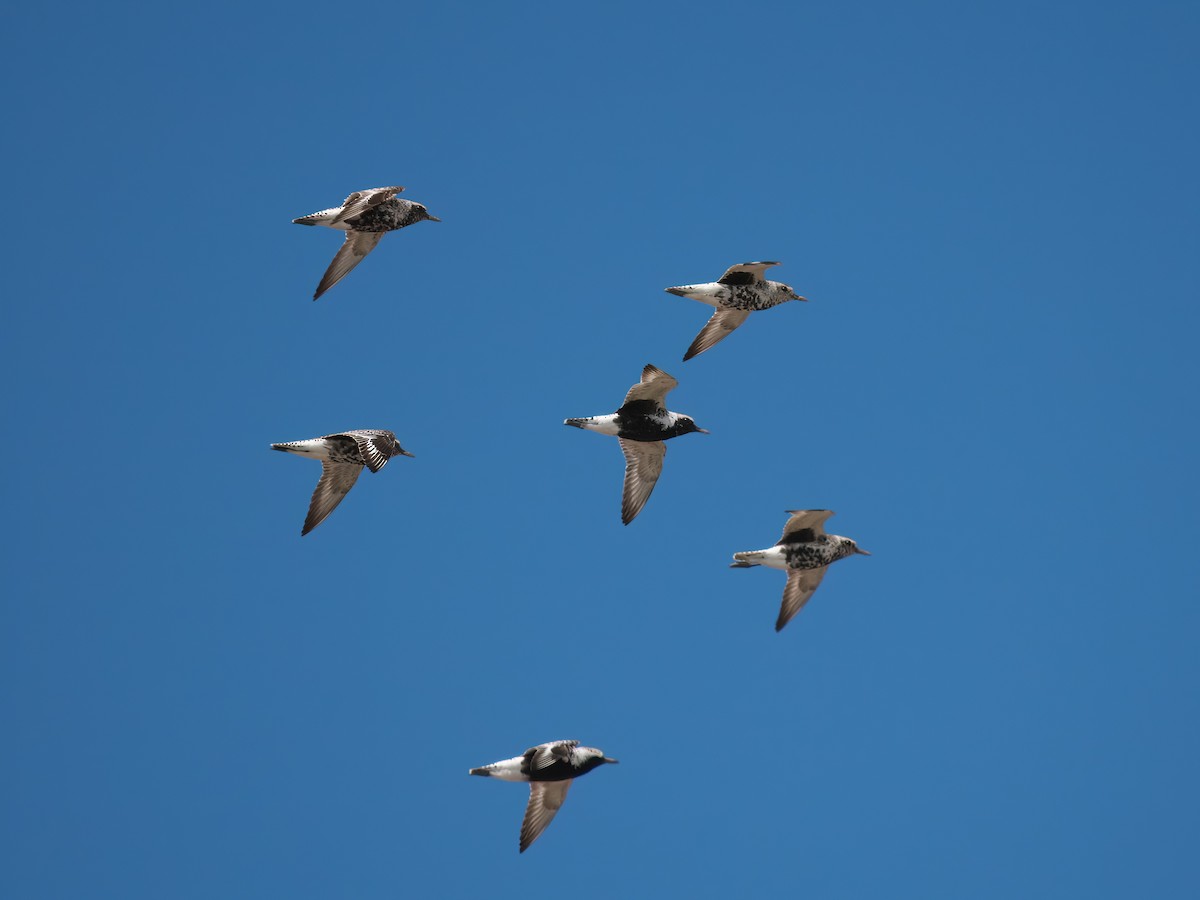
[641,425]
[549,768]
[342,457]
[804,552]
[366,217]
[739,292]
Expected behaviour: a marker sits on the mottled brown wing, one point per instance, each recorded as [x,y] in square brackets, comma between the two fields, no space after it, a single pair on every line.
[336,481]
[655,385]
[801,585]
[360,201]
[746,273]
[374,446]
[805,518]
[545,800]
[545,755]
[643,465]
[719,327]
[354,249]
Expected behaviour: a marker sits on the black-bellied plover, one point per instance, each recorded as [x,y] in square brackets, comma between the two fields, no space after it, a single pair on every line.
[739,292]
[366,217]
[549,768]
[804,552]
[342,457]
[641,425]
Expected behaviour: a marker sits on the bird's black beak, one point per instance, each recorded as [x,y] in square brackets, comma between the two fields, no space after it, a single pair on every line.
[703,431]
[404,452]
[609,759]
[433,218]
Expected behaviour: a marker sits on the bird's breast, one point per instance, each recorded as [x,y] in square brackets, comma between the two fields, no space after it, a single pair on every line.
[810,556]
[652,427]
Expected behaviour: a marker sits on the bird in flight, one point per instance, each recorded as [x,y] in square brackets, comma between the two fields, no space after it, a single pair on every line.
[549,768]
[365,216]
[342,457]
[641,425]
[805,551]
[739,292]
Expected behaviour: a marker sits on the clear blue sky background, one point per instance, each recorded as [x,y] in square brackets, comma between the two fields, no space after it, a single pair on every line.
[993,212]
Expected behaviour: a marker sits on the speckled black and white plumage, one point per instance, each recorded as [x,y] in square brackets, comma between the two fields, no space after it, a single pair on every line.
[549,769]
[365,216]
[342,457]
[805,552]
[641,425]
[739,292]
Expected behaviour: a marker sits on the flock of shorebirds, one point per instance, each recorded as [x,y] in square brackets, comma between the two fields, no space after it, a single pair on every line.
[641,425]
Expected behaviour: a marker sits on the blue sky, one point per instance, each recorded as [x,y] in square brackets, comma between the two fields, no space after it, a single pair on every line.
[993,213]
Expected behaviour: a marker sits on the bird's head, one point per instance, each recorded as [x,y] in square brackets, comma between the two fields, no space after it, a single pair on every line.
[397,450]
[591,757]
[686,425]
[791,294]
[423,213]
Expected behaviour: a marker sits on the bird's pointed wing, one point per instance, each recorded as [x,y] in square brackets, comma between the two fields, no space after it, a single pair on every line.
[356,246]
[804,525]
[545,800]
[336,481]
[375,447]
[719,327]
[655,385]
[360,201]
[643,465]
[545,755]
[801,585]
[746,273]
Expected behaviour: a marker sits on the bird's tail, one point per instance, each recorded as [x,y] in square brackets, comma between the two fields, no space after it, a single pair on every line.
[323,217]
[304,448]
[747,559]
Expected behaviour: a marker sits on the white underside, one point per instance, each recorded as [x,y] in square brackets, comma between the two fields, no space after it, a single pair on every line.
[314,448]
[712,294]
[772,557]
[602,424]
[326,216]
[507,769]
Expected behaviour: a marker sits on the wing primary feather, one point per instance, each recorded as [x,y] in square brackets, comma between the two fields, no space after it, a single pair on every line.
[643,466]
[545,800]
[336,481]
[719,327]
[354,250]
